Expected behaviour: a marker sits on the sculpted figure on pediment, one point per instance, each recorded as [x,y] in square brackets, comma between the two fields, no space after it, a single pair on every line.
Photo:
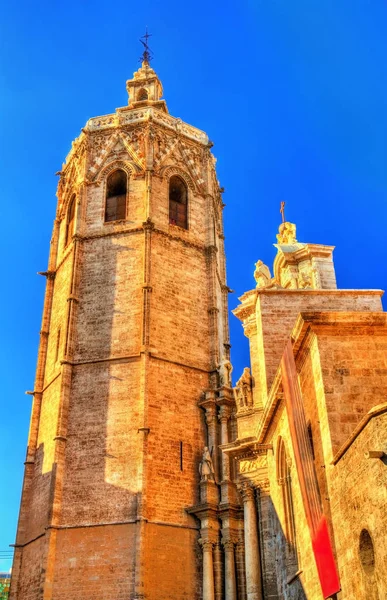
[287,233]
[243,390]
[262,274]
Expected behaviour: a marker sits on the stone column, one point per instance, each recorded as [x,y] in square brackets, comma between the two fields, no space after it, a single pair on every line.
[218,571]
[224,415]
[208,571]
[252,555]
[229,568]
[240,566]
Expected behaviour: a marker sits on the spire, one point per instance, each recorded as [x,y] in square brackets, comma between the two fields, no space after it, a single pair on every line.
[145,88]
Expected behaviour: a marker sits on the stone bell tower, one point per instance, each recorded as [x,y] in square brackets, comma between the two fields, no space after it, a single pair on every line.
[134,337]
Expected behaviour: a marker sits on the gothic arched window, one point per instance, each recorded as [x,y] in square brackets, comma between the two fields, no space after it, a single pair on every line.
[142,95]
[284,480]
[116,187]
[178,202]
[70,220]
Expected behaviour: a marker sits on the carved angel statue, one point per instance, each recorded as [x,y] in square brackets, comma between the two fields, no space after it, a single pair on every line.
[225,370]
[262,274]
[243,390]
[206,467]
[287,233]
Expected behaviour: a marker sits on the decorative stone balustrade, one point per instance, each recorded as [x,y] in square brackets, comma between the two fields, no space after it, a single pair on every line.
[125,116]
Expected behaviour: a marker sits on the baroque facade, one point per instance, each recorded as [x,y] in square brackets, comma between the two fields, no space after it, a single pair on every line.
[148,475]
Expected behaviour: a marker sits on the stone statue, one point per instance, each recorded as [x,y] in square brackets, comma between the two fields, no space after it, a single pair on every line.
[305,280]
[262,274]
[225,370]
[206,467]
[287,233]
[243,390]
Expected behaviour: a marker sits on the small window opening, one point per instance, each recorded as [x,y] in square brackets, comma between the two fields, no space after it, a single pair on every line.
[116,187]
[70,221]
[142,95]
[366,552]
[57,345]
[181,456]
[178,202]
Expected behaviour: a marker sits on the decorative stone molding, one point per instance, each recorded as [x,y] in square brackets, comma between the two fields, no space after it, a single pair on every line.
[248,466]
[169,171]
[137,115]
[113,166]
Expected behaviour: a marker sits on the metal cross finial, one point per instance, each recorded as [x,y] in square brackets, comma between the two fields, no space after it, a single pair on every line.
[282,211]
[147,54]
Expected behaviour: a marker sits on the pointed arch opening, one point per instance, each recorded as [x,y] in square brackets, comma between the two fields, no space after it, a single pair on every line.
[178,202]
[116,193]
[70,221]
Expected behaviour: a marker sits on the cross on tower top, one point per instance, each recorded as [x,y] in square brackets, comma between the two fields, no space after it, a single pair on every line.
[147,55]
[282,211]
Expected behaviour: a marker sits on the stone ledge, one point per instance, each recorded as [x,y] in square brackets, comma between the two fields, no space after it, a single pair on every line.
[376,411]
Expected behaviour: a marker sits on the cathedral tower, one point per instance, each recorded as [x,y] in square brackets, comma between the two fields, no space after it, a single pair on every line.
[134,336]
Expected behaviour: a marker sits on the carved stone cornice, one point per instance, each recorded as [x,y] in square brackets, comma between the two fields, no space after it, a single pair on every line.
[179,238]
[208,402]
[226,397]
[247,448]
[247,306]
[48,274]
[250,326]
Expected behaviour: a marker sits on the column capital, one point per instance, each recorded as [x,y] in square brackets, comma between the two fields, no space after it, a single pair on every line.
[210,415]
[263,487]
[224,413]
[228,545]
[247,491]
[206,545]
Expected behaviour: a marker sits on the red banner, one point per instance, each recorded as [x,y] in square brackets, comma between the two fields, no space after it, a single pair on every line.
[321,543]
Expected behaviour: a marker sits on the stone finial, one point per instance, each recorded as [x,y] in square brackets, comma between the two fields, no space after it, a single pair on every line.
[287,234]
[262,274]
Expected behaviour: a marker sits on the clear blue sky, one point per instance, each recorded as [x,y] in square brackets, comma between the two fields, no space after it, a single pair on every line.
[292,92]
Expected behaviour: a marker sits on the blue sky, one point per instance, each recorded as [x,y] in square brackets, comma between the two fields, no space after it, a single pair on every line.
[293,94]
